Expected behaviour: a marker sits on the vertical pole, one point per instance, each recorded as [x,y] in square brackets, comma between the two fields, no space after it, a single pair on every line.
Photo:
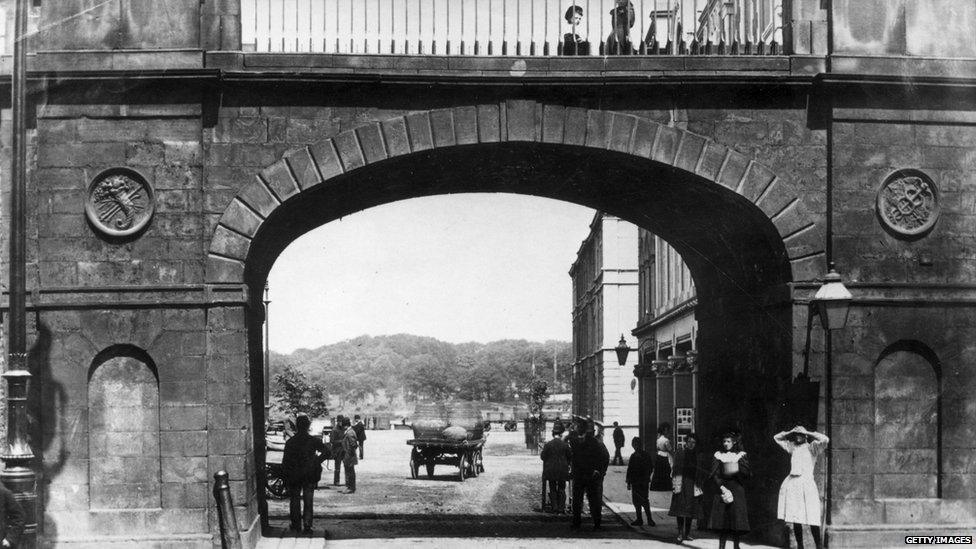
[267,350]
[18,474]
[828,420]
[230,535]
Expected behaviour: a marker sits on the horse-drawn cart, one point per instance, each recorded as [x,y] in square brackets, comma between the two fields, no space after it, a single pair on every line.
[463,454]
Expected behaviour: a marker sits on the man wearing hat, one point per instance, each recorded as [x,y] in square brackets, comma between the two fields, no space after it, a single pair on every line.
[590,462]
[555,468]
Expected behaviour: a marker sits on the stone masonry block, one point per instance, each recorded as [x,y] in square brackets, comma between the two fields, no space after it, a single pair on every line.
[227,441]
[187,368]
[622,132]
[259,198]
[371,141]
[712,160]
[303,167]
[520,115]
[853,436]
[807,242]
[489,124]
[228,392]
[779,194]
[183,153]
[904,485]
[689,151]
[733,170]
[182,392]
[597,126]
[241,219]
[442,127]
[852,486]
[466,125]
[241,130]
[183,443]
[228,416]
[350,153]
[666,145]
[229,244]
[756,179]
[911,460]
[644,136]
[396,137]
[222,270]
[419,132]
[327,159]
[182,417]
[279,179]
[184,470]
[553,123]
[574,132]
[185,496]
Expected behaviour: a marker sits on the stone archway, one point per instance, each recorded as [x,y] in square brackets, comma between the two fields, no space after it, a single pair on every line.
[306,169]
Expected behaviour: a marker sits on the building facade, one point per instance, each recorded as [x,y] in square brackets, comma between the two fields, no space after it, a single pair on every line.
[666,333]
[604,292]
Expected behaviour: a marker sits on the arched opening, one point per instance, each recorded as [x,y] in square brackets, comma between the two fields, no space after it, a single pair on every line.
[908,422]
[123,430]
[737,253]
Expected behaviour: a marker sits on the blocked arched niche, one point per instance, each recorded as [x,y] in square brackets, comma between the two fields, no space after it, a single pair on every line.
[123,434]
[907,422]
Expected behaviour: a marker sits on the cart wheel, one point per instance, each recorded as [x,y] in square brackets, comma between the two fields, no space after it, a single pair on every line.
[414,468]
[462,465]
[276,486]
[430,470]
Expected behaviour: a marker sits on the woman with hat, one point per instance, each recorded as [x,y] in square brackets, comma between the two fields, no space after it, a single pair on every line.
[730,468]
[799,499]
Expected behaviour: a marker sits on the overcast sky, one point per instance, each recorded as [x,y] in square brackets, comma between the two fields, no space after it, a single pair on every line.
[468,267]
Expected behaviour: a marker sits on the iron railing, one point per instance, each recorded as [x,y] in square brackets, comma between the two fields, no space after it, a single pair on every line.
[511,27]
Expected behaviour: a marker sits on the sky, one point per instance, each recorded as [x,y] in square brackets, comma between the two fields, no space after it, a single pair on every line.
[463,267]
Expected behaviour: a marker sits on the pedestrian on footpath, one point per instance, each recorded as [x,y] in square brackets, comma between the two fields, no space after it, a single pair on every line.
[11,518]
[661,481]
[618,444]
[360,433]
[689,474]
[349,444]
[638,480]
[302,468]
[799,499]
[335,441]
[590,462]
[556,457]
[730,468]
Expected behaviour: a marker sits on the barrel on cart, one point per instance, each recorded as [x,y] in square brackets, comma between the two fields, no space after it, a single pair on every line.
[466,455]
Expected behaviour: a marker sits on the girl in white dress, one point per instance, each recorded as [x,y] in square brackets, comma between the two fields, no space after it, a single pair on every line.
[799,499]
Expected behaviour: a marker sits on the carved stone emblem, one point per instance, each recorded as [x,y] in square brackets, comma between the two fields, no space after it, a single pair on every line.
[908,203]
[120,202]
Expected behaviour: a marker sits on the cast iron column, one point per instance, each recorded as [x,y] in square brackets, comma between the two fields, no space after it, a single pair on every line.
[18,474]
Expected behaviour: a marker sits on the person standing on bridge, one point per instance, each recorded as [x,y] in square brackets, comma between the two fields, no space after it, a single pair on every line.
[622,18]
[335,441]
[360,433]
[799,499]
[302,468]
[573,44]
[590,462]
[618,444]
[350,443]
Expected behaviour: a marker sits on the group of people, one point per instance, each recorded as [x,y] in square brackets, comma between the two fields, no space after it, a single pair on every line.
[622,19]
[686,473]
[302,461]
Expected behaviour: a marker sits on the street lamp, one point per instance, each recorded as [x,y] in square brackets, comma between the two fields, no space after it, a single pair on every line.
[622,350]
[832,303]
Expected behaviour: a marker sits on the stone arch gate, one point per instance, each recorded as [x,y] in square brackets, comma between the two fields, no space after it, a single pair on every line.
[748,232]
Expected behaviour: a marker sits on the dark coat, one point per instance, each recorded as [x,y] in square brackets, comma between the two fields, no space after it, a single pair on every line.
[300,464]
[618,437]
[360,431]
[11,517]
[335,441]
[589,456]
[640,468]
[730,517]
[556,456]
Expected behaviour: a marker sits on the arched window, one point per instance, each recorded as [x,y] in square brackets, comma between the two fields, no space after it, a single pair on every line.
[123,436]
[907,423]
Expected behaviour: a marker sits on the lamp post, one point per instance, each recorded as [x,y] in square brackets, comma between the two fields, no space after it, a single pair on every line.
[18,475]
[832,303]
[267,352]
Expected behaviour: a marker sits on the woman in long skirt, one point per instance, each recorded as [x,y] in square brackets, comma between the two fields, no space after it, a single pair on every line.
[688,475]
[799,499]
[661,481]
[730,468]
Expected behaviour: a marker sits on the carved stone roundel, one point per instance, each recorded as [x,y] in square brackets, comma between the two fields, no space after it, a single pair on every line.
[120,202]
[908,202]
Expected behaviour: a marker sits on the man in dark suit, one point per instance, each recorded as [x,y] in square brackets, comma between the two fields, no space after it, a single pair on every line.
[590,462]
[335,442]
[360,429]
[302,468]
[555,469]
[618,444]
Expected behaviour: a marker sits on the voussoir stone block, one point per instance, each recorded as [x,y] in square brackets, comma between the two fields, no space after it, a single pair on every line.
[419,132]
[621,132]
[644,136]
[597,126]
[665,145]
[303,167]
[442,127]
[240,218]
[689,151]
[351,155]
[466,125]
[396,137]
[734,169]
[223,270]
[574,132]
[489,123]
[756,179]
[521,116]
[257,195]
[553,123]
[229,244]
[327,159]
[279,179]
[371,143]
[712,160]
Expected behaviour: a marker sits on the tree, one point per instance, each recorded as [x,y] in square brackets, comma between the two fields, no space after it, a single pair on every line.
[538,394]
[295,394]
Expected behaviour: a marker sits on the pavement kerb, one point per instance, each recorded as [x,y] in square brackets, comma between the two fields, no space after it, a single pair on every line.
[626,521]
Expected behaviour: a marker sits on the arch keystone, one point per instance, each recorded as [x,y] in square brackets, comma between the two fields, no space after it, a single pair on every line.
[520,116]
[553,123]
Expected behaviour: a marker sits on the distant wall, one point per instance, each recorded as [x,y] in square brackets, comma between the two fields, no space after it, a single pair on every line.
[928,28]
